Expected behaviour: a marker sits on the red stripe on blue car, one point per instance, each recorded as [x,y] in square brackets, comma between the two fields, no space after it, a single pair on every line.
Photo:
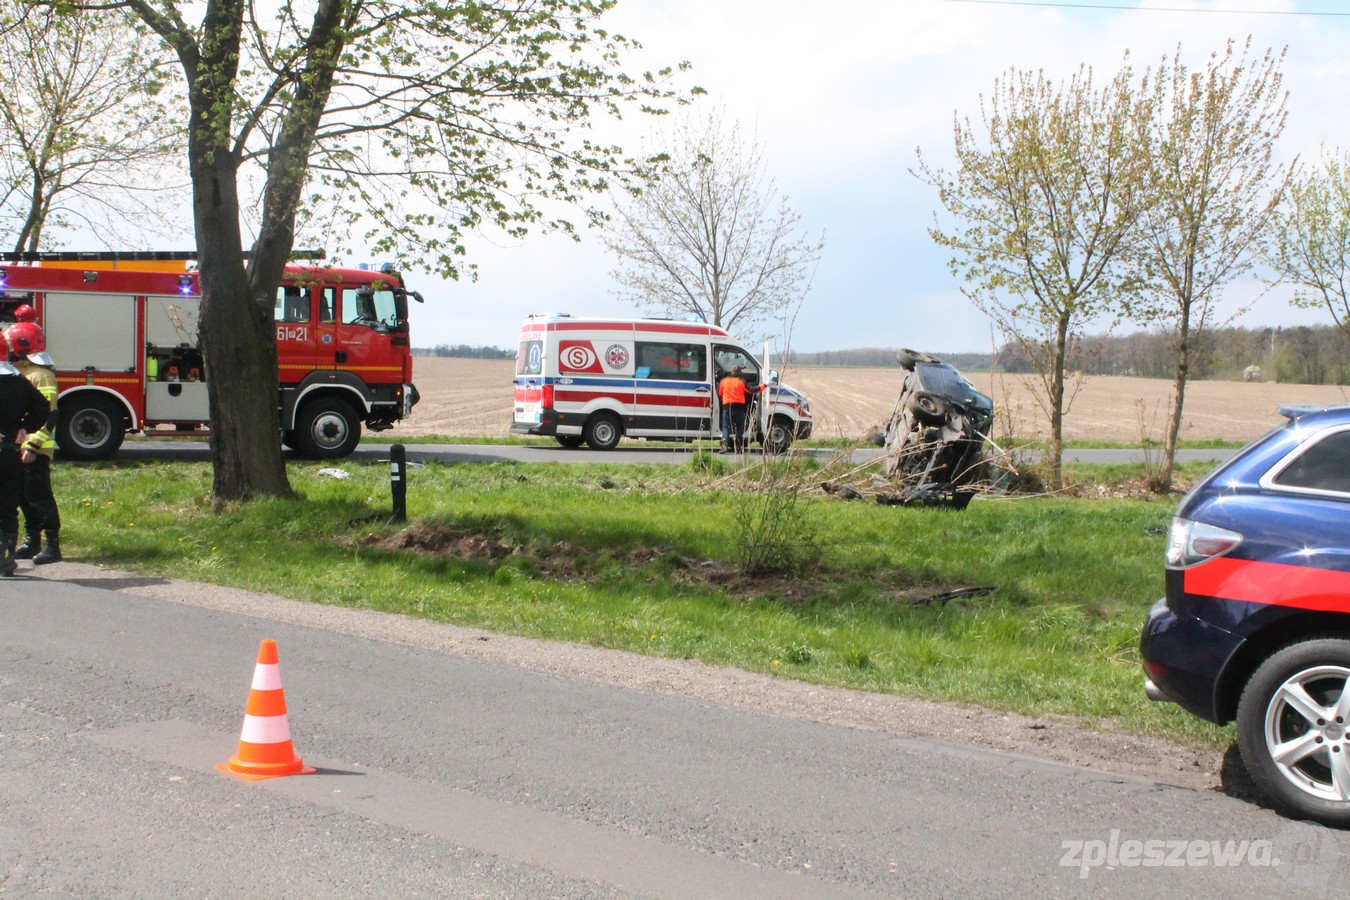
[1303,587]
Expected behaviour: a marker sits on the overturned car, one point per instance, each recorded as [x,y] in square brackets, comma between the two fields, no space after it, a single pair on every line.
[935,436]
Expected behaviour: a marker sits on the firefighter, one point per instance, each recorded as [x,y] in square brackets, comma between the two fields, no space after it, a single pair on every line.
[27,351]
[22,409]
[733,392]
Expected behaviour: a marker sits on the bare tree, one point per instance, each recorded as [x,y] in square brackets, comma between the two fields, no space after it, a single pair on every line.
[1311,245]
[86,121]
[707,234]
[1210,144]
[421,119]
[1046,196]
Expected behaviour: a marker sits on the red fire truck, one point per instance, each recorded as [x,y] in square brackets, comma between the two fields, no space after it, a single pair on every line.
[122,331]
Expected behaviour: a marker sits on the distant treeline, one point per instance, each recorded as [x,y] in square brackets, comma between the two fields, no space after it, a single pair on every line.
[1319,354]
[465,351]
[884,356]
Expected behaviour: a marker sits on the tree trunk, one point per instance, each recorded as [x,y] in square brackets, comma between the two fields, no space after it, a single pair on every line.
[1055,470]
[1183,374]
[238,346]
[238,339]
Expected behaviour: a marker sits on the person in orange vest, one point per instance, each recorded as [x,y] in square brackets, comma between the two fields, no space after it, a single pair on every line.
[734,394]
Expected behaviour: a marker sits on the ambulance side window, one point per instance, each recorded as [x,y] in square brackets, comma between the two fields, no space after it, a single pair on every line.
[679,362]
[292,304]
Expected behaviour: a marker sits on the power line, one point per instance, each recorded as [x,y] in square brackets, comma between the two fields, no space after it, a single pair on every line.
[1106,6]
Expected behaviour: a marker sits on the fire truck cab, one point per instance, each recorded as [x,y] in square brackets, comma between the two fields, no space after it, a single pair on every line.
[122,331]
[593,381]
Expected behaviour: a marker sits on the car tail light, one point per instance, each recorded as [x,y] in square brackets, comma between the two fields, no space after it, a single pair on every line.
[546,396]
[1191,542]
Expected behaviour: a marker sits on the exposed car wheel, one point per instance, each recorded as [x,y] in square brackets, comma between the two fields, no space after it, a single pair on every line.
[570,441]
[779,436]
[602,432]
[327,428]
[90,426]
[928,408]
[1293,726]
[909,358]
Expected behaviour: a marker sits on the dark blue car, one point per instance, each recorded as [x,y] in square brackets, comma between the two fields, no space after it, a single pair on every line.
[1255,624]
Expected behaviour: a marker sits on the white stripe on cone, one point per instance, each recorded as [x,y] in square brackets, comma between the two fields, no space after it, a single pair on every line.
[267,677]
[265,729]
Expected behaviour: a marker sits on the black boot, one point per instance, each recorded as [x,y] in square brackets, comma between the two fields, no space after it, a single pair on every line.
[31,545]
[7,563]
[50,553]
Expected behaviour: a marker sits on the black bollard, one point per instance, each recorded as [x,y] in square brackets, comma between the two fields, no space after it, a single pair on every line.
[398,482]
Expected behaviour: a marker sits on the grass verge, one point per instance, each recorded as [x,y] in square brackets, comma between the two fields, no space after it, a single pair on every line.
[1026,605]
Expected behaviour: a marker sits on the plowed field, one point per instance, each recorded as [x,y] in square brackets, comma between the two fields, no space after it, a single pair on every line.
[472,398]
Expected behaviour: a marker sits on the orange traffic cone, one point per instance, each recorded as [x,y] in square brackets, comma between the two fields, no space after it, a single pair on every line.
[265,743]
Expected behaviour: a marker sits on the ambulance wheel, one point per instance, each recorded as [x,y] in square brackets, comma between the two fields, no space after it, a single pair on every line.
[779,437]
[327,428]
[90,427]
[602,432]
[570,441]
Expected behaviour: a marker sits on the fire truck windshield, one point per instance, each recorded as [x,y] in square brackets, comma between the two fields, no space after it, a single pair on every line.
[382,310]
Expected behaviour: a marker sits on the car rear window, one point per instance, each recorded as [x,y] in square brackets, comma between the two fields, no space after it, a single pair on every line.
[1323,465]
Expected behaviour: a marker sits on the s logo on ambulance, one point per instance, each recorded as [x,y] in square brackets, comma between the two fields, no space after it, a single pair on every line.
[578,357]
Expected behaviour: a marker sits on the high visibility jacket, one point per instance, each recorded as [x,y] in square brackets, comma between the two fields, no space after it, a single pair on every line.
[732,390]
[44,379]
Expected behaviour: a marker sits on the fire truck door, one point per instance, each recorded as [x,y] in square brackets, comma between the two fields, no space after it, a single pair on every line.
[296,332]
[326,345]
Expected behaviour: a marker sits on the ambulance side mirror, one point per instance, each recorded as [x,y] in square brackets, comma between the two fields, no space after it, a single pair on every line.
[773,376]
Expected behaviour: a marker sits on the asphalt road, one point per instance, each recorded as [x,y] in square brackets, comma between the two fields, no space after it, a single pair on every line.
[626,452]
[441,774]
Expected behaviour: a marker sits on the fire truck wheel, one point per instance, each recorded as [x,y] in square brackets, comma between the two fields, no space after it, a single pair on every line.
[602,432]
[90,427]
[327,428]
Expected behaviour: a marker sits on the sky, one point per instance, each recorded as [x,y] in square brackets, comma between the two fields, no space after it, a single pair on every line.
[841,95]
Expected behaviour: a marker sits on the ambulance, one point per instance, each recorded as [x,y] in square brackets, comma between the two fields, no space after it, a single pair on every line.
[594,381]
